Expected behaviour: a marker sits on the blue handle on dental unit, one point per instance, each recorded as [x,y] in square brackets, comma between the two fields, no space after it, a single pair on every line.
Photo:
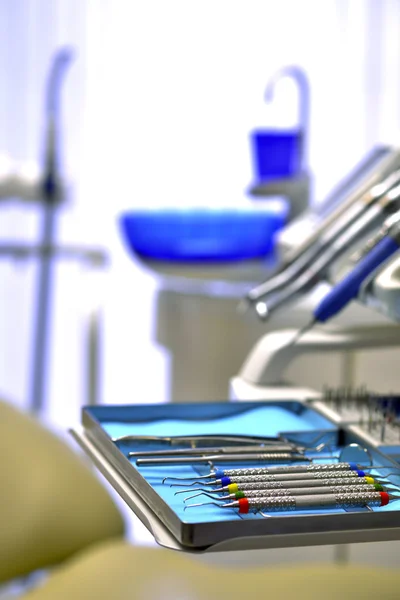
[348,289]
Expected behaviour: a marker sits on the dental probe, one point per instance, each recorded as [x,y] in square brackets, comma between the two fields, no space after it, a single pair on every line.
[275,449]
[278,477]
[232,488]
[341,466]
[337,489]
[289,503]
[309,255]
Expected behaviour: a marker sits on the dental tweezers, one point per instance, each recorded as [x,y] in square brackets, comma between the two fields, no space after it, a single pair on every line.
[212,440]
[244,449]
[280,457]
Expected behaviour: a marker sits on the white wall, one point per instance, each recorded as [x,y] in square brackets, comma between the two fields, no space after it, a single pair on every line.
[157,110]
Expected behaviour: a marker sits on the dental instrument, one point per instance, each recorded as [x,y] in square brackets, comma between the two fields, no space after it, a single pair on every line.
[276,449]
[193,440]
[306,258]
[299,491]
[247,486]
[377,251]
[289,503]
[380,171]
[278,477]
[341,466]
[389,204]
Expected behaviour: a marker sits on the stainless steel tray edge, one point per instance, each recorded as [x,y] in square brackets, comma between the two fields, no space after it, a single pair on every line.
[161,534]
[99,439]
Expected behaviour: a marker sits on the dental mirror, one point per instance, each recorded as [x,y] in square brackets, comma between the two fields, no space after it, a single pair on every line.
[354,453]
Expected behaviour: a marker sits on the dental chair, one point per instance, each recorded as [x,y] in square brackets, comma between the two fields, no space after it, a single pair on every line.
[51,504]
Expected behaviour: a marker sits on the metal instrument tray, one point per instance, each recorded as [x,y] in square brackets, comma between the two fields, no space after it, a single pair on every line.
[210,528]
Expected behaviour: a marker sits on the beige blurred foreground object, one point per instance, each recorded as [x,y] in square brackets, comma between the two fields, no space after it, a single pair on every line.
[51,504]
[122,572]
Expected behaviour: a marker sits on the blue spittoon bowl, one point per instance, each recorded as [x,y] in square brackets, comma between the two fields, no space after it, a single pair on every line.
[203,235]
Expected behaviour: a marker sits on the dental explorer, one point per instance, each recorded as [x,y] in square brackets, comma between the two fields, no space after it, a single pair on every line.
[290,503]
[295,491]
[223,481]
[328,468]
[247,486]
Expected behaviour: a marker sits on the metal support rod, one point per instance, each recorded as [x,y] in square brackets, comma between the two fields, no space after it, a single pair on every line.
[40,347]
[93,357]
[95,257]
[51,193]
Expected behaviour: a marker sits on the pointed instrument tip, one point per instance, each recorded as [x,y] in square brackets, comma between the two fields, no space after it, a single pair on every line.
[302,331]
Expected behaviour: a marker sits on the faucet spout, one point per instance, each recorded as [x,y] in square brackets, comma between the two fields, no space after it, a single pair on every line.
[301,79]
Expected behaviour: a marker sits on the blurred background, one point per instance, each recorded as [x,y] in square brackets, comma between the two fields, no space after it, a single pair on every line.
[155,112]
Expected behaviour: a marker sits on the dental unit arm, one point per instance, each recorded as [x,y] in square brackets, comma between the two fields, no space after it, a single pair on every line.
[372,273]
[319,270]
[307,257]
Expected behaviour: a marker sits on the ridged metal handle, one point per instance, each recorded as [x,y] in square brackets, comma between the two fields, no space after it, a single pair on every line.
[278,457]
[267,493]
[270,504]
[262,483]
[333,467]
[337,489]
[253,485]
[348,500]
[345,500]
[344,481]
[338,474]
[276,470]
[296,476]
